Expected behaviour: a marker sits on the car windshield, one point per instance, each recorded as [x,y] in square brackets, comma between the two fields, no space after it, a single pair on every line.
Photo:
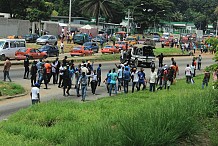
[22,50]
[44,48]
[130,39]
[2,44]
[77,48]
[87,44]
[78,37]
[44,37]
[108,47]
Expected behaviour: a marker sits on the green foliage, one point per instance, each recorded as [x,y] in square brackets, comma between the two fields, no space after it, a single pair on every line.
[213,42]
[10,89]
[161,118]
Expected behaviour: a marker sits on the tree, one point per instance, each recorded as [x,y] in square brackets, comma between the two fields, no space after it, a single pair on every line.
[95,7]
[39,10]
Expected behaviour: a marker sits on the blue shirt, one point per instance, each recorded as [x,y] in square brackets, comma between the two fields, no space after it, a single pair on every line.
[141,76]
[126,75]
[113,77]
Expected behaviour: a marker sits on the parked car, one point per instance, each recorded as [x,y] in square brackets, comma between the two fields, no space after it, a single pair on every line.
[31,52]
[92,45]
[156,38]
[110,49]
[131,40]
[31,38]
[80,38]
[47,39]
[99,39]
[81,51]
[50,50]
[122,44]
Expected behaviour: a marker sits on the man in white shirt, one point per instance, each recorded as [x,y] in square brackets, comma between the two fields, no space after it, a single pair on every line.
[188,74]
[84,69]
[135,79]
[35,94]
[120,78]
[152,80]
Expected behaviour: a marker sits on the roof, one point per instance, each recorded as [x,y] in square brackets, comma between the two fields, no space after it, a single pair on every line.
[141,46]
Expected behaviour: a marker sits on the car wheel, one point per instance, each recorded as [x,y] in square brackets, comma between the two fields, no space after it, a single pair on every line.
[57,54]
[136,62]
[44,57]
[55,43]
[3,58]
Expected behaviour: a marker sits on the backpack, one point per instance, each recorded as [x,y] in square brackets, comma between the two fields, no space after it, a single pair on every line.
[126,75]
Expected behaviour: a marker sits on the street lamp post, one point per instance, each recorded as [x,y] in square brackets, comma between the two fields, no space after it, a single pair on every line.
[155,18]
[70,9]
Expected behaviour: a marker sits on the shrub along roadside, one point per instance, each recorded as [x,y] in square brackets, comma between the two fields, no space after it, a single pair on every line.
[142,118]
[9,89]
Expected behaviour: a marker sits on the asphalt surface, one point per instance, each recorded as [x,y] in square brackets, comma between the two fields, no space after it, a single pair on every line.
[10,106]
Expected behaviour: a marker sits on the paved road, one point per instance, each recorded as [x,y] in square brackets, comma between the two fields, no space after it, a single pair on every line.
[12,105]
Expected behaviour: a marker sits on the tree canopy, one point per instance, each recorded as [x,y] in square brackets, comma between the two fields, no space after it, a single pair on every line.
[145,12]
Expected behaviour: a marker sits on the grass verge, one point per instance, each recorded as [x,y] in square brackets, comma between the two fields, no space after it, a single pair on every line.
[169,51]
[9,89]
[142,118]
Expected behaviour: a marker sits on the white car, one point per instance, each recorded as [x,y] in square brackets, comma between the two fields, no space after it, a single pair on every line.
[47,39]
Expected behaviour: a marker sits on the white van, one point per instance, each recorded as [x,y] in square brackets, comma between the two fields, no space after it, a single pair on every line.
[8,47]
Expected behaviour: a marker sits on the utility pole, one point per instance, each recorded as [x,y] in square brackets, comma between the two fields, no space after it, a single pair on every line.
[128,21]
[70,8]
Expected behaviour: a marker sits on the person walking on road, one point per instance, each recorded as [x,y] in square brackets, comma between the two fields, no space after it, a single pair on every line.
[99,74]
[83,80]
[33,73]
[188,74]
[26,67]
[199,62]
[152,80]
[142,79]
[94,82]
[35,97]
[160,57]
[113,81]
[7,66]
[135,79]
[66,81]
[107,81]
[126,79]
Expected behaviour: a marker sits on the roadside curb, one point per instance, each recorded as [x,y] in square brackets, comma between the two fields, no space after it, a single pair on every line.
[14,96]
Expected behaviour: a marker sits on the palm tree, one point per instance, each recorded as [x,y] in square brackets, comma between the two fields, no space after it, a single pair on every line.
[95,7]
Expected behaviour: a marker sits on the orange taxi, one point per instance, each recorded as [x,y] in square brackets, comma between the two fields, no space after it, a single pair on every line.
[109,49]
[31,52]
[81,51]
[131,40]
[122,44]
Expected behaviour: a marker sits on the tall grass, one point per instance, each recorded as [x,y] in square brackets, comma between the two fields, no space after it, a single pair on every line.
[7,88]
[139,119]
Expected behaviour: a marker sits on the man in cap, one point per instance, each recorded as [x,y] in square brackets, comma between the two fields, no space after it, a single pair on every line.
[35,93]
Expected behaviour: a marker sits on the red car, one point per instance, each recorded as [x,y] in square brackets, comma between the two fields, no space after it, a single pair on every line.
[110,49]
[31,52]
[122,44]
[81,51]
